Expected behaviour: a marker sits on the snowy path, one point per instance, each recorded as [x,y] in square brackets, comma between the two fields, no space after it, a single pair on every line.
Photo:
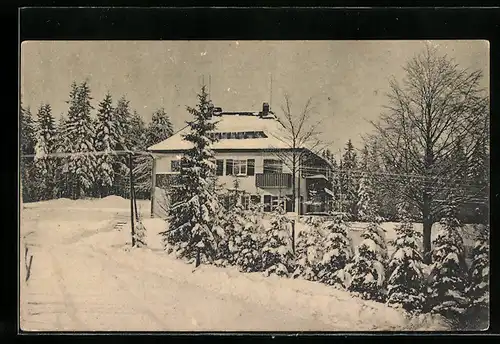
[78,283]
[106,294]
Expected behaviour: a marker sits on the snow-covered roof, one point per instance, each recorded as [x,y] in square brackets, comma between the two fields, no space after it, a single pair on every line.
[271,127]
[274,132]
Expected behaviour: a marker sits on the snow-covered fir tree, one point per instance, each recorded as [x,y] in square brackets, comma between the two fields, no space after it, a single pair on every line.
[277,255]
[193,214]
[406,283]
[449,270]
[45,136]
[80,135]
[337,252]
[63,183]
[365,207]
[107,137]
[27,145]
[160,127]
[158,130]
[137,135]
[308,254]
[348,183]
[123,130]
[123,119]
[477,290]
[366,273]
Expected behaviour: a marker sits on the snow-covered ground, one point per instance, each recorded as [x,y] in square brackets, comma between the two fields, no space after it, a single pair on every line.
[85,277]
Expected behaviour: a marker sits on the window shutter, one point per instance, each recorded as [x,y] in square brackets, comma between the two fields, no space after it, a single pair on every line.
[250,167]
[229,167]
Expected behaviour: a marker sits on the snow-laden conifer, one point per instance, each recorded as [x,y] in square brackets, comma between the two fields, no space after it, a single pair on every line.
[308,253]
[277,255]
[107,137]
[193,214]
[406,283]
[366,273]
[336,253]
[45,136]
[478,291]
[81,166]
[448,272]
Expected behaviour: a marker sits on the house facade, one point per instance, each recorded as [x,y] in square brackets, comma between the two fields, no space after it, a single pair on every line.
[251,150]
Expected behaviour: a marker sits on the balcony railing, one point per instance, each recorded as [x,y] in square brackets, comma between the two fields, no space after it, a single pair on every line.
[273,180]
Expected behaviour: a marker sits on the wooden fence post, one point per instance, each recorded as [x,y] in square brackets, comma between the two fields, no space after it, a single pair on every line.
[153,186]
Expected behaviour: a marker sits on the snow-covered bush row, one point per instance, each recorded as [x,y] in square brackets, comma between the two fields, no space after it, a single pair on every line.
[324,253]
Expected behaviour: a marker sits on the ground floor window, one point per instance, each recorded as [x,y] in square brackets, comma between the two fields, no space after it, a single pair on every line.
[271,202]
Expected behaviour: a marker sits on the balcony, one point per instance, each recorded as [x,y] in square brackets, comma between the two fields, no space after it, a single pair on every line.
[273,180]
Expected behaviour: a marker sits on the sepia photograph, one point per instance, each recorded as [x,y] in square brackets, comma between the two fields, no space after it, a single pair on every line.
[229,186]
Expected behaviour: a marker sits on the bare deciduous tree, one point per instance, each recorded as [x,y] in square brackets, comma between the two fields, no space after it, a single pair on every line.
[300,133]
[434,121]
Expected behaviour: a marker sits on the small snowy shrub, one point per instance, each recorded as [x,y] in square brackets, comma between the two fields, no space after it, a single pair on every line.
[277,252]
[337,252]
[249,255]
[448,272]
[308,254]
[477,316]
[366,273]
[231,228]
[139,234]
[406,283]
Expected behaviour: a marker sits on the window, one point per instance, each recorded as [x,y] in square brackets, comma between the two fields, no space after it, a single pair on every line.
[273,166]
[271,202]
[250,167]
[255,199]
[240,167]
[245,202]
[267,203]
[175,166]
[220,167]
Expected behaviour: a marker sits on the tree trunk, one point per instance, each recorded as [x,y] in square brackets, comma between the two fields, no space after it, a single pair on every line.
[427,228]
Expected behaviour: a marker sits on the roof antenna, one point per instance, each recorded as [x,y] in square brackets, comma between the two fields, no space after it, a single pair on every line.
[271,93]
[209,86]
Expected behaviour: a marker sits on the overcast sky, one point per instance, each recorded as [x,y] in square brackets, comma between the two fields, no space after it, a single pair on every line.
[346,79]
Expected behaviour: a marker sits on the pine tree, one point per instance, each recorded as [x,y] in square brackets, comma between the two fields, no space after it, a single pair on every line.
[348,182]
[277,255]
[478,283]
[365,159]
[45,136]
[158,130]
[337,252]
[367,270]
[81,166]
[448,271]
[143,164]
[123,130]
[406,285]
[160,127]
[193,216]
[137,131]
[107,137]
[27,147]
[365,207]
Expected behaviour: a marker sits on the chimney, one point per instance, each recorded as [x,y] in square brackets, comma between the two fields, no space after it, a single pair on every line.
[265,109]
